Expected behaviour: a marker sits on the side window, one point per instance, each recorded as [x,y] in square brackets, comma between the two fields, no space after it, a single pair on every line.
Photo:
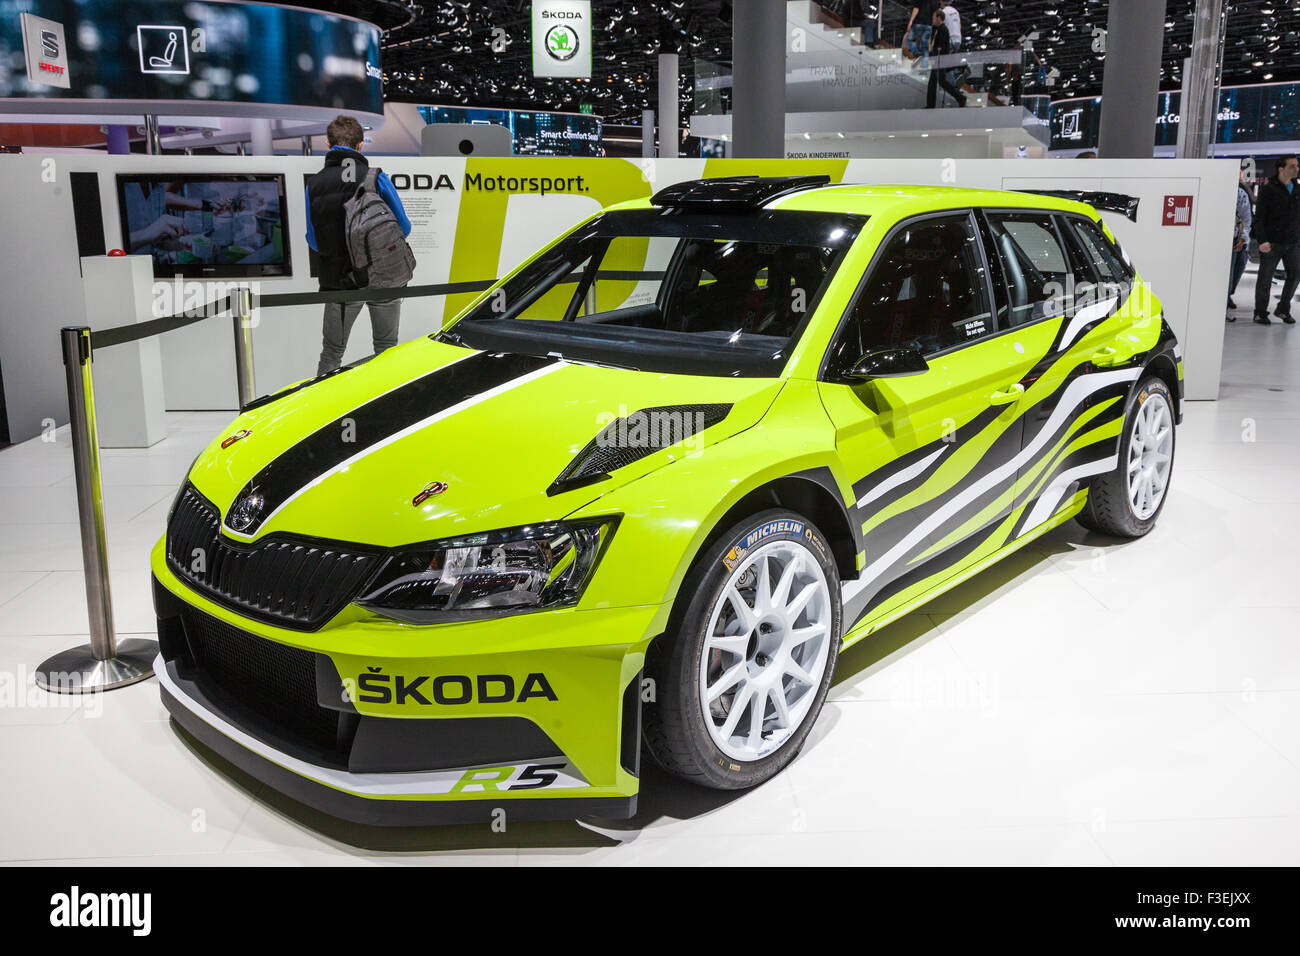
[927,290]
[1100,254]
[1036,269]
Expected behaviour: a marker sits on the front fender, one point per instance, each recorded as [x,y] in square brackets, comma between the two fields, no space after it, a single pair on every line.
[671,513]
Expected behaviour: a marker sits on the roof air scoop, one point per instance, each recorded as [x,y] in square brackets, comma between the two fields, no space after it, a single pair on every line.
[733,193]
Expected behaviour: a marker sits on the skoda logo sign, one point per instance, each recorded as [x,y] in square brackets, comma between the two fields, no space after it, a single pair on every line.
[562,42]
[245,512]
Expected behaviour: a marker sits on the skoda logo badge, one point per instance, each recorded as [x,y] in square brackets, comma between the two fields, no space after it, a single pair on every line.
[562,42]
[245,512]
[429,490]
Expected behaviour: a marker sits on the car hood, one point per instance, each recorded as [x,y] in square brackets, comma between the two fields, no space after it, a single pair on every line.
[431,440]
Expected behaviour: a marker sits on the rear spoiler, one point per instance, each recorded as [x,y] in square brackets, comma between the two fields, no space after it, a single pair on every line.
[1106,202]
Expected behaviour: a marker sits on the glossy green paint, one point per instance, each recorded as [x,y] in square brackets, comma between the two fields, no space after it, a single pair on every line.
[498,457]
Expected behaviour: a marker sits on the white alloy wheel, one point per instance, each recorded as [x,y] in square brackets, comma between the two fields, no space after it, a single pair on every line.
[1150,455]
[765,650]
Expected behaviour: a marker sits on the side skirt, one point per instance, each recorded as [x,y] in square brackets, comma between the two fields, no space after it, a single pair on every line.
[874,622]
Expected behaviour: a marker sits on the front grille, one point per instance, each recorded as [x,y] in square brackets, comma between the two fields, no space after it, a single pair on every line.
[281,580]
[273,681]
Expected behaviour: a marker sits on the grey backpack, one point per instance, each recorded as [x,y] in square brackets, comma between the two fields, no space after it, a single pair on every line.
[381,257]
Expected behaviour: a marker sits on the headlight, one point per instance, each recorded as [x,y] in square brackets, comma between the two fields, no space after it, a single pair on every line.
[531,568]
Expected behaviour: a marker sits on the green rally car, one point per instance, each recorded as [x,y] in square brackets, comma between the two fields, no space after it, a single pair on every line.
[645,489]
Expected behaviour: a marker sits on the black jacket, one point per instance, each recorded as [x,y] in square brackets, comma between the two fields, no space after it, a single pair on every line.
[327,191]
[940,41]
[1277,214]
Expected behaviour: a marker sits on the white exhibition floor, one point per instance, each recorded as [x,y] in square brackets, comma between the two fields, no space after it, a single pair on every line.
[1088,702]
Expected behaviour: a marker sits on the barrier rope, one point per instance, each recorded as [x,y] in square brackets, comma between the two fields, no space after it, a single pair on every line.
[142,330]
[105,338]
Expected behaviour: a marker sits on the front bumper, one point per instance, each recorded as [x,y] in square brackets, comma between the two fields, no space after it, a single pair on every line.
[388,724]
[372,799]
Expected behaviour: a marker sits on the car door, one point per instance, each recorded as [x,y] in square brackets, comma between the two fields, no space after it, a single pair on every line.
[931,455]
[1058,308]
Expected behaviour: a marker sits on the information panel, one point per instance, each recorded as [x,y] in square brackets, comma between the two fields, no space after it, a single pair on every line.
[188,50]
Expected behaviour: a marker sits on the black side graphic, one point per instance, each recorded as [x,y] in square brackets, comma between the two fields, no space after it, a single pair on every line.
[959,437]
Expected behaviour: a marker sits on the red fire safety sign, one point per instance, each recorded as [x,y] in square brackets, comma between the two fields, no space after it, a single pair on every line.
[1177,211]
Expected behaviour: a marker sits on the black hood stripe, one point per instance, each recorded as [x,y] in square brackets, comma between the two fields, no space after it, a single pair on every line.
[374,423]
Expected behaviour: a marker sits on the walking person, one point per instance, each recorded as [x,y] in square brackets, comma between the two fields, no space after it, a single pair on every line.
[952,20]
[1277,228]
[917,36]
[344,171]
[1240,240]
[942,75]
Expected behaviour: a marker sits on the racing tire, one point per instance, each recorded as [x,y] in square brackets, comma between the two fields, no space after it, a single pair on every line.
[1126,502]
[738,688]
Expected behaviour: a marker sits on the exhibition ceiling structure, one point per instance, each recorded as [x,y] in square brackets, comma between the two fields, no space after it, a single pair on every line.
[441,51]
[866,475]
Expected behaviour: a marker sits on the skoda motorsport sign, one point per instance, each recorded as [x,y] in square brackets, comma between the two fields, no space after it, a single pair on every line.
[562,38]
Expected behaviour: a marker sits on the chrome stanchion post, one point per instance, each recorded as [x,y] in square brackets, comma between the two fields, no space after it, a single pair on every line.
[152,141]
[243,315]
[103,663]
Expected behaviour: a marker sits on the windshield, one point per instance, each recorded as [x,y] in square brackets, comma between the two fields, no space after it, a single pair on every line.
[668,290]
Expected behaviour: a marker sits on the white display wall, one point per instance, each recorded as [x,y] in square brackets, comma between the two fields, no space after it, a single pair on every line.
[463,231]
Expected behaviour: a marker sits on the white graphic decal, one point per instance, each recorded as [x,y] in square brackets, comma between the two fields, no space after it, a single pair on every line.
[900,478]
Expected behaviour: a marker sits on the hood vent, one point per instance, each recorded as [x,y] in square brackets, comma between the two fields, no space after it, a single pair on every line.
[632,437]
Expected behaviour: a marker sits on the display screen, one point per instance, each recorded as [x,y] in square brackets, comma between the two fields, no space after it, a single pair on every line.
[1076,124]
[534,133]
[1263,113]
[197,51]
[206,225]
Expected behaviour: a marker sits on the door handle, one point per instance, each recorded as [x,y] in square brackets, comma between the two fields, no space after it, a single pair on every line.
[1008,396]
[1106,357]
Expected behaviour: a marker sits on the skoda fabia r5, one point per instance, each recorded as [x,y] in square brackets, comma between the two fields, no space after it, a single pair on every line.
[645,489]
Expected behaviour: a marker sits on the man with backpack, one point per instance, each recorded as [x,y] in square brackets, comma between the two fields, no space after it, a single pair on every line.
[357,226]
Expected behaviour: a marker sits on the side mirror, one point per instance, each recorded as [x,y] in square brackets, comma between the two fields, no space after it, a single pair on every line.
[888,363]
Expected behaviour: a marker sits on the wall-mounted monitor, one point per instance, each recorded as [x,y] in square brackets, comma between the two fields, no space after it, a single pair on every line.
[534,132]
[206,225]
